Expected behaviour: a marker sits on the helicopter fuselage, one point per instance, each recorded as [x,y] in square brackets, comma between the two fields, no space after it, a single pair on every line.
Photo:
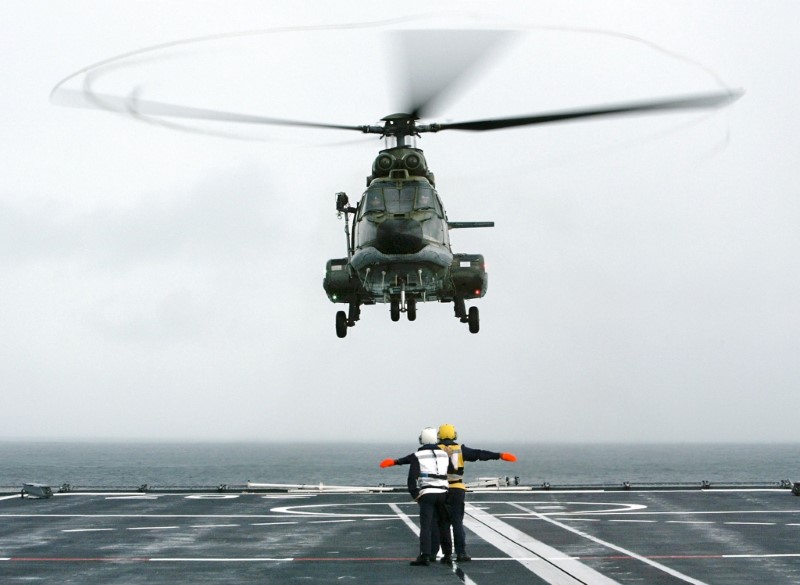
[399,249]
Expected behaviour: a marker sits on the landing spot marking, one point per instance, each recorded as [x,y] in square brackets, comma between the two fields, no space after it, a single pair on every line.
[561,570]
[212,497]
[582,508]
[624,551]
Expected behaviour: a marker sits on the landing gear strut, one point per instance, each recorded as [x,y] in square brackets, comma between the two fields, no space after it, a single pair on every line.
[405,304]
[472,319]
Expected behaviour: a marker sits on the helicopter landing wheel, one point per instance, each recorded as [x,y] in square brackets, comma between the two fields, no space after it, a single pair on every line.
[474,320]
[411,309]
[394,309]
[341,324]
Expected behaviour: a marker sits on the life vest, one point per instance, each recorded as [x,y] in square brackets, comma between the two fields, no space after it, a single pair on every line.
[455,479]
[432,470]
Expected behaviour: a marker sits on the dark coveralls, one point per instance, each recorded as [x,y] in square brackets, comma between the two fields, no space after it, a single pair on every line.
[456,495]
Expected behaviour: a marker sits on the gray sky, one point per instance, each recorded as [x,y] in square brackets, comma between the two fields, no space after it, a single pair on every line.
[644,272]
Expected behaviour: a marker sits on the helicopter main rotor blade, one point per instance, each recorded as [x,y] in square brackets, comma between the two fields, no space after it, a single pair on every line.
[436,61]
[146,108]
[711,100]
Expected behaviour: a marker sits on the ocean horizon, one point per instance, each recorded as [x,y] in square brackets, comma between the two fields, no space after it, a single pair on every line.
[118,463]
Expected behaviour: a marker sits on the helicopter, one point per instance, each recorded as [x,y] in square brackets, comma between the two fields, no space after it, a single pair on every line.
[398,251]
[397,234]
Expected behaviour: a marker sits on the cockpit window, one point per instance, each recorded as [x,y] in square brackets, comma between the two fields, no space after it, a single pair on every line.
[374,201]
[399,201]
[424,199]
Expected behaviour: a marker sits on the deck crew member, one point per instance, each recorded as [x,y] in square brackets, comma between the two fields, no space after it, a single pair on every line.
[427,484]
[457,490]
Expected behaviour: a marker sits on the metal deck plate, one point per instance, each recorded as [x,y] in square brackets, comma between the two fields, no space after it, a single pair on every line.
[562,538]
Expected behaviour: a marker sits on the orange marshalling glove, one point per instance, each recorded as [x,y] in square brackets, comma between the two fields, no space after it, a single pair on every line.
[508,457]
[387,462]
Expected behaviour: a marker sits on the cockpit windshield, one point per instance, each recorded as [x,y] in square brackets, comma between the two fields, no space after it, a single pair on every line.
[404,200]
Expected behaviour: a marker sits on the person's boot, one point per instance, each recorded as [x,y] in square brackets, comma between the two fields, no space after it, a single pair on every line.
[446,560]
[463,558]
[421,561]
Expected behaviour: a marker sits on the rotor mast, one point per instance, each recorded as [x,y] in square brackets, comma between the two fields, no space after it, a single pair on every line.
[399,126]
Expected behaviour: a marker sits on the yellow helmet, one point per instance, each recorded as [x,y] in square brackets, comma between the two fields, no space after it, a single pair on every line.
[447,431]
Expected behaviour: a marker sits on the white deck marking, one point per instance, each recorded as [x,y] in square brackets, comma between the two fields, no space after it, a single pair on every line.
[761,556]
[561,570]
[154,528]
[89,530]
[636,521]
[693,512]
[214,526]
[225,516]
[404,517]
[690,522]
[9,498]
[751,523]
[213,560]
[580,519]
[328,521]
[624,551]
[380,519]
[271,523]
[410,523]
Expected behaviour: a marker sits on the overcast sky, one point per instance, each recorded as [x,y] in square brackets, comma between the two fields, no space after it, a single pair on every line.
[164,284]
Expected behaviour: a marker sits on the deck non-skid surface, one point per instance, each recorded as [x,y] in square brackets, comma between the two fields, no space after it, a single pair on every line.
[530,537]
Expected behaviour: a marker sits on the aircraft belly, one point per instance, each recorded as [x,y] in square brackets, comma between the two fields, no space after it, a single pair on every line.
[372,257]
[422,274]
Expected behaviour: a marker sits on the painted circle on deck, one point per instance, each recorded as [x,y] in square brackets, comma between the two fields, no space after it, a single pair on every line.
[566,509]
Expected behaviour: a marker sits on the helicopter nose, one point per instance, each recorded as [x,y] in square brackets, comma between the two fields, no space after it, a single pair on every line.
[400,236]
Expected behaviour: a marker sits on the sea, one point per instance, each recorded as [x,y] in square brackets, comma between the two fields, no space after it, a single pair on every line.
[117,464]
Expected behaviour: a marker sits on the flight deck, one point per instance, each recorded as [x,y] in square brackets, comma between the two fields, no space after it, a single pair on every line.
[559,537]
